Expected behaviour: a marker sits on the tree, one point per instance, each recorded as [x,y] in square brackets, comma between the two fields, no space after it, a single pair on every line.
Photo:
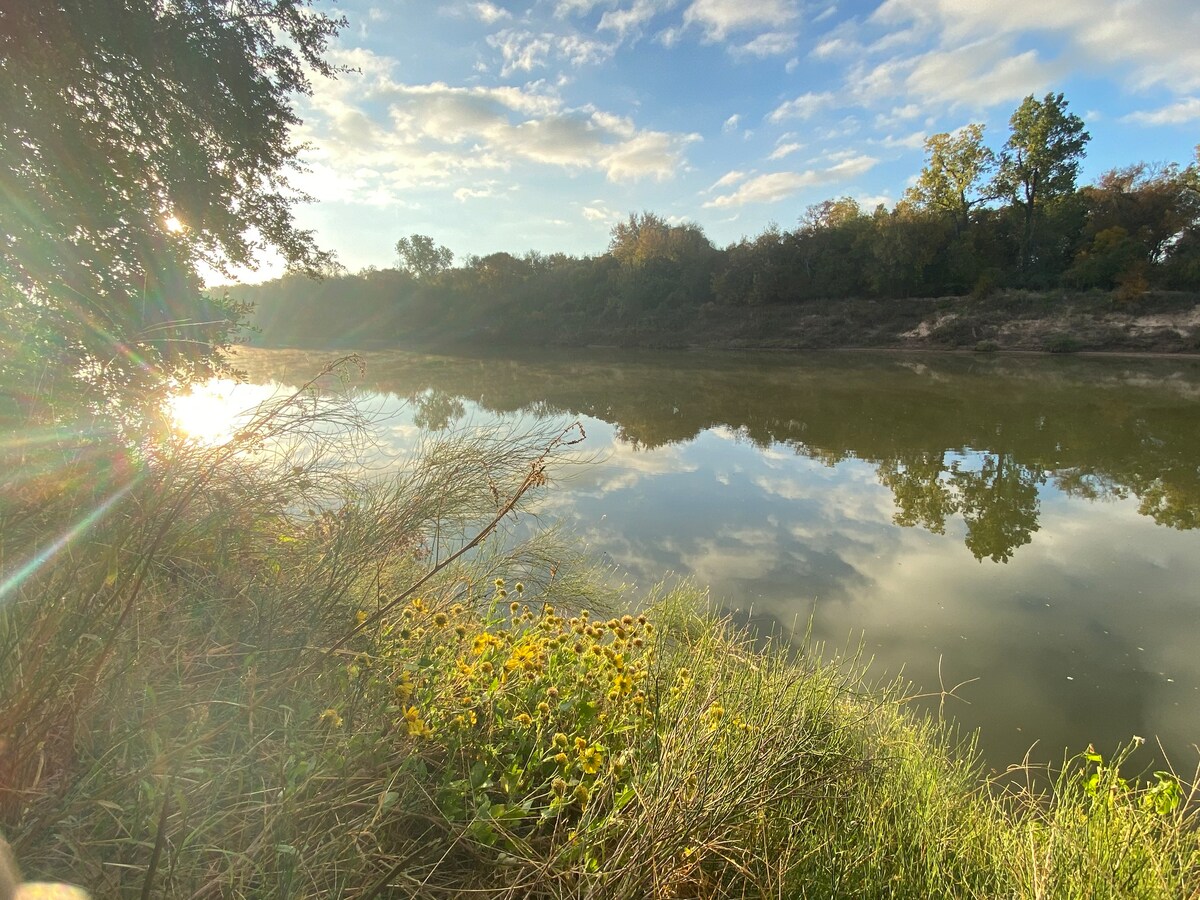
[1041,160]
[957,174]
[142,138]
[421,257]
[648,236]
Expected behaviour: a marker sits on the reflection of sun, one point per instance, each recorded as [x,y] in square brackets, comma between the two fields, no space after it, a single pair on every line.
[212,412]
[173,224]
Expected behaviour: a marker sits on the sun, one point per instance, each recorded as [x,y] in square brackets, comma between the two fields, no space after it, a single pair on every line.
[211,413]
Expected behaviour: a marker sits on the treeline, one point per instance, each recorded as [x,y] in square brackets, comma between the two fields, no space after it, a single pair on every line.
[976,220]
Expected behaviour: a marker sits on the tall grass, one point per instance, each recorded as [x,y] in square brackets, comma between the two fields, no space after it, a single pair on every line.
[253,673]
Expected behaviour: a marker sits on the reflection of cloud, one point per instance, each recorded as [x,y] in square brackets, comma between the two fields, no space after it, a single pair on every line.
[623,467]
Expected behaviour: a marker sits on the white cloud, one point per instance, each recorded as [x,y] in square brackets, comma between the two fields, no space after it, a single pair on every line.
[669,37]
[729,178]
[434,134]
[564,8]
[913,141]
[771,43]
[1185,110]
[523,51]
[632,18]
[731,123]
[656,154]
[778,185]
[596,211]
[980,74]
[464,194]
[785,149]
[490,13]
[719,18]
[803,107]
[835,46]
[1156,37]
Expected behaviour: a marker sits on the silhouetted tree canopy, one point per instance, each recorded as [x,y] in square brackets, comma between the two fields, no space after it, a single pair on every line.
[142,139]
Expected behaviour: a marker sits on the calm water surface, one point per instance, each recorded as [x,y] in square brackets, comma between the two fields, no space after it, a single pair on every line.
[1030,525]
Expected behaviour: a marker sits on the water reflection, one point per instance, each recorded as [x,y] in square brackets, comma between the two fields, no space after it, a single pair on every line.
[1023,522]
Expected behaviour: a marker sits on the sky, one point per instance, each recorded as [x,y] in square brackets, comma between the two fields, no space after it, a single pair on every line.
[538,125]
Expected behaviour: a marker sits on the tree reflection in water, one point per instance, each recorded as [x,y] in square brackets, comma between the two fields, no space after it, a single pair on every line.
[950,436]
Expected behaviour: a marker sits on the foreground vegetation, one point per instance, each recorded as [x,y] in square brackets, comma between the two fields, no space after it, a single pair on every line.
[244,673]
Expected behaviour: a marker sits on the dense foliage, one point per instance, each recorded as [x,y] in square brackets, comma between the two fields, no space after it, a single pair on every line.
[142,139]
[976,221]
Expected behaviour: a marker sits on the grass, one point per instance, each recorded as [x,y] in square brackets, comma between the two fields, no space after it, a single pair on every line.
[254,675]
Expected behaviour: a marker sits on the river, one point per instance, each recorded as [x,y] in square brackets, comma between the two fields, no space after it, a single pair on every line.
[1026,527]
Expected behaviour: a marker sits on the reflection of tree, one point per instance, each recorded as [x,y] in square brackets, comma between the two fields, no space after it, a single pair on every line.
[922,496]
[1172,498]
[999,501]
[436,410]
[999,504]
[1099,431]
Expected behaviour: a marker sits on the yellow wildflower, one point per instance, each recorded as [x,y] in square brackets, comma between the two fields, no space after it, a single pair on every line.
[331,718]
[404,687]
[415,724]
[591,759]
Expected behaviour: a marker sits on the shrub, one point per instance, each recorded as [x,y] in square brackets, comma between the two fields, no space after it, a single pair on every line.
[1061,342]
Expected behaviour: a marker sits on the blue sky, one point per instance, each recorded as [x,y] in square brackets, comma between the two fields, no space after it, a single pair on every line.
[537,125]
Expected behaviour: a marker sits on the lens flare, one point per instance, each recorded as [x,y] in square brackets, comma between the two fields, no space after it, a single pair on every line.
[212,413]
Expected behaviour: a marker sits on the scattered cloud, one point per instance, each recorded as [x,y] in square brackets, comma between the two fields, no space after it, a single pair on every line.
[564,8]
[489,189]
[785,149]
[1155,37]
[490,13]
[731,123]
[1185,110]
[980,74]
[832,47]
[631,19]
[803,107]
[913,141]
[524,51]
[771,43]
[719,18]
[779,185]
[728,179]
[434,134]
[597,211]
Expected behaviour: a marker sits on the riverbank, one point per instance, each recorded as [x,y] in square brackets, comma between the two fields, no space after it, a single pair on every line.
[261,677]
[1055,322]
[1018,320]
